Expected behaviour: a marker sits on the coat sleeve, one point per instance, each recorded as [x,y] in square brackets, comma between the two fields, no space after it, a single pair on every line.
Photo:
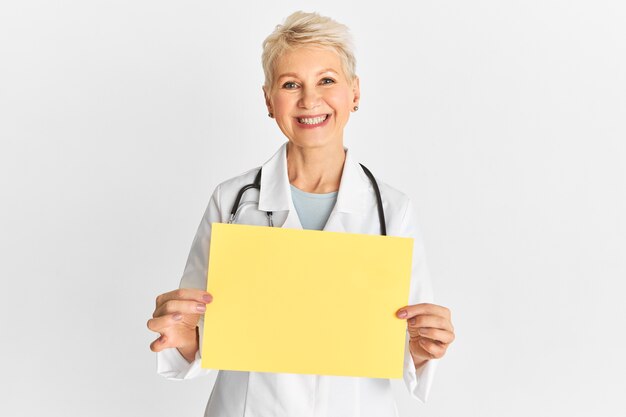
[170,363]
[418,383]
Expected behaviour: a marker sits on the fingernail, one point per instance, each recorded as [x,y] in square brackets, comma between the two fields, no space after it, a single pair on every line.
[412,320]
[422,331]
[177,316]
[200,307]
[402,314]
[208,298]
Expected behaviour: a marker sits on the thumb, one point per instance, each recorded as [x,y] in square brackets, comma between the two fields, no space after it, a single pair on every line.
[159,344]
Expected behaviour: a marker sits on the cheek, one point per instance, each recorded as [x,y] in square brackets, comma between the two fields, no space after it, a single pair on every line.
[340,100]
[282,103]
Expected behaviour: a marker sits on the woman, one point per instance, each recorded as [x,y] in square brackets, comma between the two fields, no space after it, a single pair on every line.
[311,182]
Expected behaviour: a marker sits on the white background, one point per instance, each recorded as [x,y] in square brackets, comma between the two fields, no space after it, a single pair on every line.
[504,122]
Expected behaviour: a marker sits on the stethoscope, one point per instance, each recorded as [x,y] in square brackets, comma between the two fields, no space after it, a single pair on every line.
[257,184]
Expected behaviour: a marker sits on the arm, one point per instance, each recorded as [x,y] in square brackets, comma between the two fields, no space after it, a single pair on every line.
[419,363]
[183,362]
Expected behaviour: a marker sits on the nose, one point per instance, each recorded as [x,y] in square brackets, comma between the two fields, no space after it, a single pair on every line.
[310,98]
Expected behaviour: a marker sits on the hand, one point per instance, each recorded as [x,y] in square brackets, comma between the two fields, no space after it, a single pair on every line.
[430,330]
[176,318]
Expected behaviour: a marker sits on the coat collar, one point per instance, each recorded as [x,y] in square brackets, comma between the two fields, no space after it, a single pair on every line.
[275,193]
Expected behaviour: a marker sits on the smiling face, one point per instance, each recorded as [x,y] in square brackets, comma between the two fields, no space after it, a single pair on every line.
[311,98]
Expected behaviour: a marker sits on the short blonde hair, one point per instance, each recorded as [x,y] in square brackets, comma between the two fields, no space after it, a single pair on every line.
[308,29]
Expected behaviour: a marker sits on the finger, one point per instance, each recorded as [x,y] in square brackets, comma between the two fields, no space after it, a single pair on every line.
[436,350]
[180,306]
[438,335]
[424,308]
[427,320]
[159,344]
[183,321]
[176,336]
[166,341]
[193,294]
[157,324]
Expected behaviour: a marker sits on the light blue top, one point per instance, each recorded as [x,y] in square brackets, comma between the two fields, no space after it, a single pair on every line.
[313,209]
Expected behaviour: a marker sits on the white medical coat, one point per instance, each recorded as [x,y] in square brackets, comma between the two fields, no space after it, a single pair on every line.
[257,394]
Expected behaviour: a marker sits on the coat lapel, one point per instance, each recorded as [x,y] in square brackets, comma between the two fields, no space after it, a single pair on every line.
[351,198]
[275,193]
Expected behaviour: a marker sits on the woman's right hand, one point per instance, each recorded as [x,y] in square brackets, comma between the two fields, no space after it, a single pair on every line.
[176,318]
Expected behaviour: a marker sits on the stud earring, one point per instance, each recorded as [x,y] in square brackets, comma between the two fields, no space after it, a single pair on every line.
[356,108]
[270,115]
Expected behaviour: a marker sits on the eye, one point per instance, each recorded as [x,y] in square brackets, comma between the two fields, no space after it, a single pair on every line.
[290,85]
[326,81]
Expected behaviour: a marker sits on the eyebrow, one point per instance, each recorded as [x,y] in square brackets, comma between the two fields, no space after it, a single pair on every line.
[293,74]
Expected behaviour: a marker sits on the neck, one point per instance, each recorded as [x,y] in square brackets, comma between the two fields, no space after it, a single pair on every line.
[315,170]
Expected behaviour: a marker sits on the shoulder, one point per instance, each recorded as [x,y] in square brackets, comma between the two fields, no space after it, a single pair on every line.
[238,181]
[402,219]
[234,184]
[395,201]
[227,190]
[399,212]
[394,196]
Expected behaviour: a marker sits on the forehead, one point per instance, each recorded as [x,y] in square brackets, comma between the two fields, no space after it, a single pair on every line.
[306,60]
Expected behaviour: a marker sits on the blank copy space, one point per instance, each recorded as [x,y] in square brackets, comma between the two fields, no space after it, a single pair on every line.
[302,301]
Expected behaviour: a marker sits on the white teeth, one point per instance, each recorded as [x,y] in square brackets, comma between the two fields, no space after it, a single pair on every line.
[313,121]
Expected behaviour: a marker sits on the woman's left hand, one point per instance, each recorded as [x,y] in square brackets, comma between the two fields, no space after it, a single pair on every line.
[430,330]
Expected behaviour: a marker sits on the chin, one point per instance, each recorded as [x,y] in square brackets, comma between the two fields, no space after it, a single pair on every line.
[314,142]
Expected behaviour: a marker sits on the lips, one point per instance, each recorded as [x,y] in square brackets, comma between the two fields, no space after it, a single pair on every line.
[313,121]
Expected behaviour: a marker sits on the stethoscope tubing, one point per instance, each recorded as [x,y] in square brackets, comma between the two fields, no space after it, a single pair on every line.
[257,185]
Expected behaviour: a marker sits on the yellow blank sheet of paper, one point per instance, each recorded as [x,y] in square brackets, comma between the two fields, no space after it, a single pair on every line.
[307,302]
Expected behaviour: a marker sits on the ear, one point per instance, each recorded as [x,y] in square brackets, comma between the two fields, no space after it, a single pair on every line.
[356,91]
[268,102]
